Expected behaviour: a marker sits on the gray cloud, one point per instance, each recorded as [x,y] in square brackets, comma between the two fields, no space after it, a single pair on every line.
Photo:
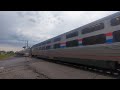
[20,14]
[32,20]
[37,26]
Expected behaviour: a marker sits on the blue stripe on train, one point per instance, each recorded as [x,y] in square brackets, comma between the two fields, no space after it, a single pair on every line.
[109,41]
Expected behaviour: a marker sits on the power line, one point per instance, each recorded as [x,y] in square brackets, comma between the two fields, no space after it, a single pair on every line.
[26,41]
[18,40]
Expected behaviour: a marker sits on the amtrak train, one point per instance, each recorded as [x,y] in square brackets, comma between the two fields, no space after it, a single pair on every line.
[96,44]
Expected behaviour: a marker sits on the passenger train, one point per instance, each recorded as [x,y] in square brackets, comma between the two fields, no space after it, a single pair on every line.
[96,44]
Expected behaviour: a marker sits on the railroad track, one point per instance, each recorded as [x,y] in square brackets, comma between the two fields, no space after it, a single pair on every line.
[115,73]
[111,73]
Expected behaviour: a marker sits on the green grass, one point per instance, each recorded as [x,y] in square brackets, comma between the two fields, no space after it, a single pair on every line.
[5,56]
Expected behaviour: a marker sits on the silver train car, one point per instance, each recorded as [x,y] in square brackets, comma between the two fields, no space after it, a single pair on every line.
[96,44]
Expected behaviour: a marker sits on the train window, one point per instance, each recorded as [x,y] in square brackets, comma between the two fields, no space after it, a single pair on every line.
[57,39]
[116,36]
[48,42]
[56,46]
[86,30]
[43,43]
[72,34]
[115,21]
[98,39]
[93,28]
[39,44]
[72,43]
[48,47]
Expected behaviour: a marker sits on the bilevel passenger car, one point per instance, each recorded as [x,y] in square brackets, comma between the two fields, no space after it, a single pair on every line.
[96,44]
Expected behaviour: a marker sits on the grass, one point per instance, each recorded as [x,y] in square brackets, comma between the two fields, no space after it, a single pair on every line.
[5,56]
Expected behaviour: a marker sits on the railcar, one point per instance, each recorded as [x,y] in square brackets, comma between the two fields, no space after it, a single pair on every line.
[95,44]
[25,52]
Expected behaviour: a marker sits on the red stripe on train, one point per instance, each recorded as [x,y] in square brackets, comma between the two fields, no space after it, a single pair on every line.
[109,34]
[79,39]
[63,43]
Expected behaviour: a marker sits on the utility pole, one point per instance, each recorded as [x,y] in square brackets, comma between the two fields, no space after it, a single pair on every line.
[27,43]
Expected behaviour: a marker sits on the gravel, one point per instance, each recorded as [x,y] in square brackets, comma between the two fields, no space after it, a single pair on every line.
[31,68]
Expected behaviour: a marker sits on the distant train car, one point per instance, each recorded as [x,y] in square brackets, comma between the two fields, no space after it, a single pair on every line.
[20,53]
[95,44]
[25,53]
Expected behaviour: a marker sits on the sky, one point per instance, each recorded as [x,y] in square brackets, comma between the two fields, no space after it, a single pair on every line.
[37,26]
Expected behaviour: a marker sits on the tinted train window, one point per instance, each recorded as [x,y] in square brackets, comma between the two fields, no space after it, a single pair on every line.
[93,28]
[43,43]
[98,39]
[116,36]
[115,21]
[56,46]
[48,42]
[86,30]
[40,44]
[57,39]
[72,35]
[48,47]
[72,43]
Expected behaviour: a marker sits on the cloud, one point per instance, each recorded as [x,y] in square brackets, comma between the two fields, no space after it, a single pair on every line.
[32,20]
[20,14]
[37,26]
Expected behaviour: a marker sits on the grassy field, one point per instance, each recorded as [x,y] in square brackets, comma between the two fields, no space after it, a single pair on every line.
[5,56]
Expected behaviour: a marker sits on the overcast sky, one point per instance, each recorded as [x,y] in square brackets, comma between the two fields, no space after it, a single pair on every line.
[37,26]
